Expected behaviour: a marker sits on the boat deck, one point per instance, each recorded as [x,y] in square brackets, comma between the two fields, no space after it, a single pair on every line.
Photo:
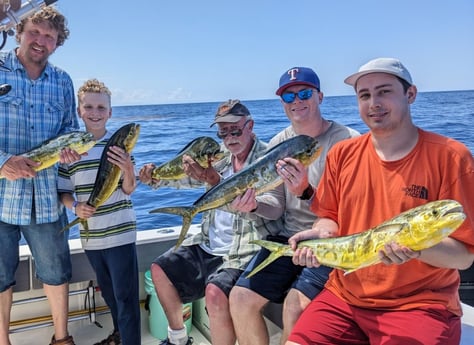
[31,323]
[85,332]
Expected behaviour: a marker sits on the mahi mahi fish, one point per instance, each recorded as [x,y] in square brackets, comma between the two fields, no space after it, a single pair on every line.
[418,228]
[108,174]
[204,150]
[48,152]
[260,175]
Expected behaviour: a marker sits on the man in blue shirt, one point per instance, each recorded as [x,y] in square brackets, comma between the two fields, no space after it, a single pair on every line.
[40,105]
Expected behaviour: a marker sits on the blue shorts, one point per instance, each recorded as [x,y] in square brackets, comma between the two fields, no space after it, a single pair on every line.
[311,280]
[274,281]
[48,245]
[190,269]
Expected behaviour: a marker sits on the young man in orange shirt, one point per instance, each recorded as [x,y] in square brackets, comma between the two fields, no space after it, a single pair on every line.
[367,180]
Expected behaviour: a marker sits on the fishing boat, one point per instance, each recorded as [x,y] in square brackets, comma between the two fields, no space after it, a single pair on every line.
[89,317]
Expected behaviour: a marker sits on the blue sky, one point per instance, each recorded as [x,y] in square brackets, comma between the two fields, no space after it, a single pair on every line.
[152,51]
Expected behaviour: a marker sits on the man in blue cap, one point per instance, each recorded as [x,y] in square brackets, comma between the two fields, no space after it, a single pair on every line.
[287,212]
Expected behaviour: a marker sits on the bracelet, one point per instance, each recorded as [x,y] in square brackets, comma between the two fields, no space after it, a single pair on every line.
[307,193]
[73,208]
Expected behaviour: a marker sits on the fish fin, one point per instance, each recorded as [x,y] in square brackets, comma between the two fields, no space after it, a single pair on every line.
[178,210]
[187,212]
[276,250]
[270,245]
[391,228]
[188,145]
[348,271]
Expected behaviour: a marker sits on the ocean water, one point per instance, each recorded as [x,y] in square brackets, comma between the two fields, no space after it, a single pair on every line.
[165,129]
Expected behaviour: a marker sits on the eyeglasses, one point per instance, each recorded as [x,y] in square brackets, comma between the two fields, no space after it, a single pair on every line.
[289,97]
[234,133]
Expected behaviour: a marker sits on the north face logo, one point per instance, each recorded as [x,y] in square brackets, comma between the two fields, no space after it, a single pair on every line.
[415,191]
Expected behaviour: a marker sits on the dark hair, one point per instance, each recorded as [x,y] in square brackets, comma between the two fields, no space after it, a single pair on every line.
[53,17]
[405,84]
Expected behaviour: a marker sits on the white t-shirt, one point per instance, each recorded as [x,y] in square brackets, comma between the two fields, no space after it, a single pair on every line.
[220,228]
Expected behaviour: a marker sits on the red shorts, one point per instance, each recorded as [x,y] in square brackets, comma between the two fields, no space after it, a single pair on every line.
[329,320]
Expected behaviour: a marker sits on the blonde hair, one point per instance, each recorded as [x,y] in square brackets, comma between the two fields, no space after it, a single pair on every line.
[94,86]
[47,14]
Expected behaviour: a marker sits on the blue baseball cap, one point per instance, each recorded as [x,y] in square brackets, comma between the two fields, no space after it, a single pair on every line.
[298,76]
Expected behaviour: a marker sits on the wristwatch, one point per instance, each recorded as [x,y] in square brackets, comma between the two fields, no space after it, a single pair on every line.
[73,208]
[307,193]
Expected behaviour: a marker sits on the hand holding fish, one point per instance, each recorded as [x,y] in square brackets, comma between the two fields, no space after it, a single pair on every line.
[68,156]
[303,255]
[245,202]
[121,158]
[145,174]
[396,254]
[84,211]
[197,172]
[294,175]
[17,167]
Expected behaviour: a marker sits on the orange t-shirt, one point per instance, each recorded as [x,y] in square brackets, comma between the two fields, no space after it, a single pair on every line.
[359,191]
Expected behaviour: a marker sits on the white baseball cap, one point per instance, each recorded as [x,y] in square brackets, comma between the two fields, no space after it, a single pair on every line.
[381,65]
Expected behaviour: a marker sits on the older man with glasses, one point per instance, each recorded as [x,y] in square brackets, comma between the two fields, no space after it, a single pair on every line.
[209,263]
[287,208]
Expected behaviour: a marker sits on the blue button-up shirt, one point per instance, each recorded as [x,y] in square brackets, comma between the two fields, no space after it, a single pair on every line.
[32,112]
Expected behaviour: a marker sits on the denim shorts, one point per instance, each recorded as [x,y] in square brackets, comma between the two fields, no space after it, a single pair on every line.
[274,281]
[48,245]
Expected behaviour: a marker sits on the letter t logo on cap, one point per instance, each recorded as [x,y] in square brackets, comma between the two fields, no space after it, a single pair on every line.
[292,73]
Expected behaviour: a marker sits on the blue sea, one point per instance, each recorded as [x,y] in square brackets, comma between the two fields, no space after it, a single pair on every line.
[166,129]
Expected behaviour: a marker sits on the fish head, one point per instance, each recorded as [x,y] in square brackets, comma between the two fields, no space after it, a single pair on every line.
[208,147]
[308,150]
[80,141]
[432,222]
[129,136]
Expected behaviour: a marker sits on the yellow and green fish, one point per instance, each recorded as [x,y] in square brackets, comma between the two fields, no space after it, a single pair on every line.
[418,228]
[204,150]
[261,175]
[108,174]
[48,152]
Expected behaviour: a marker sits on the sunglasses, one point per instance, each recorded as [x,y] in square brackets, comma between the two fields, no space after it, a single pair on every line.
[289,97]
[235,132]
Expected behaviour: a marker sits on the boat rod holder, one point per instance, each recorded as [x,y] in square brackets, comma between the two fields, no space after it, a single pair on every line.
[10,15]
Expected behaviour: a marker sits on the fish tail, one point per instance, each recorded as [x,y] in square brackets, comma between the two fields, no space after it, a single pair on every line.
[70,225]
[187,213]
[187,218]
[85,224]
[75,222]
[276,250]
